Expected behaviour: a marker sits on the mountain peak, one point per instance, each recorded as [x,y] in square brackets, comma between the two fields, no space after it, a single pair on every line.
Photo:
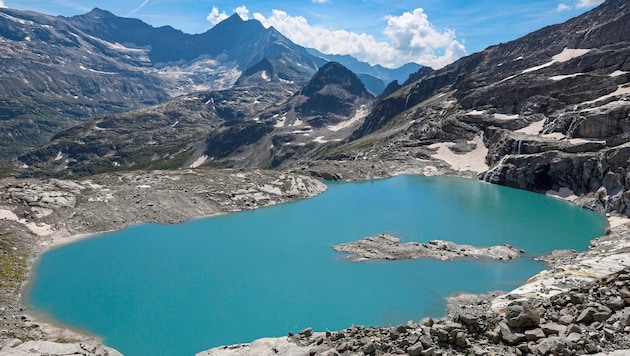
[236,22]
[98,12]
[334,73]
[235,18]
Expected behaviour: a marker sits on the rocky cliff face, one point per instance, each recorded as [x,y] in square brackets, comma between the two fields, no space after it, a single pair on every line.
[553,108]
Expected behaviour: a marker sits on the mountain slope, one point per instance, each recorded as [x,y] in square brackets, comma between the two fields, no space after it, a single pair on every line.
[552,108]
[53,75]
[226,128]
[57,72]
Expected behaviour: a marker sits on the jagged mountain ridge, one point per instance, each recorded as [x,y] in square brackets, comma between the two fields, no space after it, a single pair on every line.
[244,42]
[57,71]
[227,128]
[553,109]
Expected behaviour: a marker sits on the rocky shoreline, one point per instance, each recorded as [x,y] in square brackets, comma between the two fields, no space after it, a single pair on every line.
[586,320]
[388,247]
[41,214]
[587,313]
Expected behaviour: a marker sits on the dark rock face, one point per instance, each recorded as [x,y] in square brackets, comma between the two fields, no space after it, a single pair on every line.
[269,71]
[386,75]
[331,91]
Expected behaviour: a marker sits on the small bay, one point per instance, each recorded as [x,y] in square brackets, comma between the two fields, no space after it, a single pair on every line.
[179,289]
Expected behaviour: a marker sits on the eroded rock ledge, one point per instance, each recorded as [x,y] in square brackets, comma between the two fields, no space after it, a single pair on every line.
[388,247]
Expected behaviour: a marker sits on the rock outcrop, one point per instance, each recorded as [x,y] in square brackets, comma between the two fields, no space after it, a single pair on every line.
[388,247]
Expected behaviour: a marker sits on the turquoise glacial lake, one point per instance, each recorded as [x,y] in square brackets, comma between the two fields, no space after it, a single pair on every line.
[180,289]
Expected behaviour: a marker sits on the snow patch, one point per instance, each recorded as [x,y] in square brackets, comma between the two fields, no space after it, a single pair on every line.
[508,78]
[561,77]
[280,122]
[100,72]
[554,135]
[271,189]
[617,73]
[564,56]
[39,229]
[533,129]
[320,139]
[265,76]
[476,112]
[298,122]
[359,115]
[474,160]
[562,193]
[505,117]
[199,161]
[580,140]
[59,156]
[621,90]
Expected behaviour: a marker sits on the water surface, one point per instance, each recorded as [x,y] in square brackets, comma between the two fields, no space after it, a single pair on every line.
[180,289]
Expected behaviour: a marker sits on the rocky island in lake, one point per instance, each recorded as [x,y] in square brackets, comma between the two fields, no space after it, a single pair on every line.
[388,247]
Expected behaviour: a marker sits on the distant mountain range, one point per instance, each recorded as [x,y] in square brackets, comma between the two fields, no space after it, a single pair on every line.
[57,71]
[263,125]
[547,112]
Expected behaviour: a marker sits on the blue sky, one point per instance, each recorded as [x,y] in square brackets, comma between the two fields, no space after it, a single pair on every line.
[429,32]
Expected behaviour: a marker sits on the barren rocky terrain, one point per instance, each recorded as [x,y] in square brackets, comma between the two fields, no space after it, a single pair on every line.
[547,113]
[388,247]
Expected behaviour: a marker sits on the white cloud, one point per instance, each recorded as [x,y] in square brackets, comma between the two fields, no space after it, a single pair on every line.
[319,1]
[243,12]
[588,3]
[412,38]
[563,7]
[215,17]
[579,4]
[2,4]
